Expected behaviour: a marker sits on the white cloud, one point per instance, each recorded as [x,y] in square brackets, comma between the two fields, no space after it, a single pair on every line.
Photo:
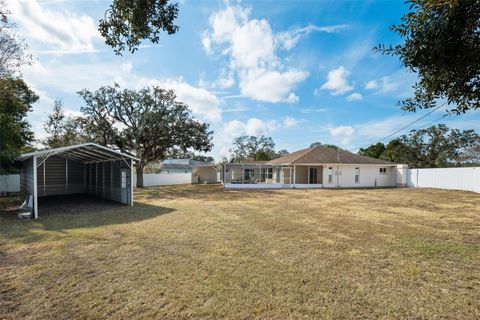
[51,77]
[389,85]
[398,83]
[257,127]
[71,77]
[271,86]
[226,80]
[345,133]
[292,98]
[202,102]
[371,85]
[290,122]
[224,136]
[251,47]
[313,110]
[337,81]
[354,96]
[60,30]
[289,39]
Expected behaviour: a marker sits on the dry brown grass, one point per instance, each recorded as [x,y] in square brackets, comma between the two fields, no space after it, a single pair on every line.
[201,252]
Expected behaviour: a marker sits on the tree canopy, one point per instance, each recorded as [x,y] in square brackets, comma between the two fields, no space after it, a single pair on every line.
[252,148]
[63,130]
[128,22]
[16,100]
[148,123]
[12,48]
[179,154]
[325,145]
[437,146]
[442,45]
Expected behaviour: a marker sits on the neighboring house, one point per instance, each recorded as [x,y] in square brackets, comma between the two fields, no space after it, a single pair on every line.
[184,171]
[317,167]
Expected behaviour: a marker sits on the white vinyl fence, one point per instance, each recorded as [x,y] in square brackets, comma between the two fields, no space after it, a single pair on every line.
[467,179]
[164,179]
[9,183]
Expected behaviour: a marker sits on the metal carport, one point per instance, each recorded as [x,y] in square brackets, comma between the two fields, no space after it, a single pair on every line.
[85,168]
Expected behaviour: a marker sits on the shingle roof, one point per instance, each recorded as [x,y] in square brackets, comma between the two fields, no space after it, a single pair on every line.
[326,155]
[175,166]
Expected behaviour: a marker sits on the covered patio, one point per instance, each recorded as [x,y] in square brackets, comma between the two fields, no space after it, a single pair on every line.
[260,175]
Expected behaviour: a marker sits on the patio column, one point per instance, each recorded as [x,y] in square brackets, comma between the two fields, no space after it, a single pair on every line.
[308,174]
[243,172]
[224,173]
[294,174]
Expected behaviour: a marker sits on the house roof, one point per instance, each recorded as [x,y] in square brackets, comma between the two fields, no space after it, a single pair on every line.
[190,162]
[325,155]
[86,152]
[175,166]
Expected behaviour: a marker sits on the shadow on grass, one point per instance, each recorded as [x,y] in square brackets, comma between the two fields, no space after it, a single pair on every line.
[28,231]
[209,192]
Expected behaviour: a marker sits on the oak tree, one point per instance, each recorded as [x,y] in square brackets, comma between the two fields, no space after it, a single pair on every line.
[148,123]
[441,44]
[128,22]
[16,100]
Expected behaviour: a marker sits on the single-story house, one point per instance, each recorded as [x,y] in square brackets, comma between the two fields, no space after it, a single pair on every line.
[177,171]
[316,167]
[79,169]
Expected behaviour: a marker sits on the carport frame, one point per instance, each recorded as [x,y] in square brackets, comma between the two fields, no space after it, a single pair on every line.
[87,153]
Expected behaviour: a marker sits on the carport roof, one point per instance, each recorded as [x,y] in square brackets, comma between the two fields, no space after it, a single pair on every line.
[86,153]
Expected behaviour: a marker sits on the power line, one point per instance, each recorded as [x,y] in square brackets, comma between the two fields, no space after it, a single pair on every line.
[408,125]
[429,123]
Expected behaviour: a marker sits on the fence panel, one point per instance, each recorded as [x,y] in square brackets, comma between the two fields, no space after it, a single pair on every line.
[467,179]
[10,183]
[164,179]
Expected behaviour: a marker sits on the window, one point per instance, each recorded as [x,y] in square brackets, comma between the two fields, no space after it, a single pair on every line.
[124,179]
[383,170]
[330,174]
[357,175]
[249,173]
[267,173]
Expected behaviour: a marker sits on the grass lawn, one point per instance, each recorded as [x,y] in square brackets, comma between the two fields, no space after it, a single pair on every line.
[201,252]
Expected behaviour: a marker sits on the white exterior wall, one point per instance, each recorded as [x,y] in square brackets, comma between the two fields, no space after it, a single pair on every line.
[370,176]
[10,183]
[164,179]
[205,174]
[402,175]
[467,179]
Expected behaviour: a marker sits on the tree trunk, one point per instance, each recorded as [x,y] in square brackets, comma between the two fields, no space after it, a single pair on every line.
[139,176]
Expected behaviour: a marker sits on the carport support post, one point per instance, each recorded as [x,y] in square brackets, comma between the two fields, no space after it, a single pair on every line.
[66,175]
[35,189]
[131,182]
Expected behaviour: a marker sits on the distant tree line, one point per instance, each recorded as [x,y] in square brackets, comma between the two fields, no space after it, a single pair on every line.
[437,146]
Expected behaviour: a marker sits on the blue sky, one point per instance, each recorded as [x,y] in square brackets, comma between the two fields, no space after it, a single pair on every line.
[297,71]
